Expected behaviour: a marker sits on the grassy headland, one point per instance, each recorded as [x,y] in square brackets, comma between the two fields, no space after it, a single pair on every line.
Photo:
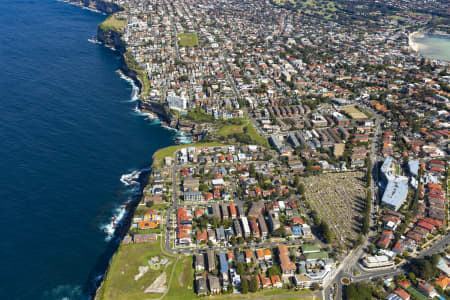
[113,23]
[158,156]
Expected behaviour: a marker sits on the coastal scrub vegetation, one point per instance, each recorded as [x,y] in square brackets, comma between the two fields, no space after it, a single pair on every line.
[198,115]
[141,73]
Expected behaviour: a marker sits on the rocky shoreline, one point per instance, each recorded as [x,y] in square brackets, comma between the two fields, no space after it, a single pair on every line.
[113,39]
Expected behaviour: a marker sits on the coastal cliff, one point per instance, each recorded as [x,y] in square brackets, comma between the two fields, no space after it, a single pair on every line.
[101,5]
[110,32]
[111,38]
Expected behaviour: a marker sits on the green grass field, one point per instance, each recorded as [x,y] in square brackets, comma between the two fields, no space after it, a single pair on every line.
[119,282]
[113,23]
[158,156]
[199,115]
[182,286]
[247,128]
[326,8]
[187,39]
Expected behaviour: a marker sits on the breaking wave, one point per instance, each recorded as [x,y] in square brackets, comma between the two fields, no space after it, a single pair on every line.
[131,178]
[182,138]
[65,292]
[131,181]
[134,88]
[115,221]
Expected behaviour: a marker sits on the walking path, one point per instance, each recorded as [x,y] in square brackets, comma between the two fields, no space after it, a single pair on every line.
[170,280]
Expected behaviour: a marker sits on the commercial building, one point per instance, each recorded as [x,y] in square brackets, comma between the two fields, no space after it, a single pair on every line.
[395,194]
[381,261]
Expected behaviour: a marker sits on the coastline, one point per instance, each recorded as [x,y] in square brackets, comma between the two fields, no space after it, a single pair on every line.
[112,39]
[426,49]
[413,44]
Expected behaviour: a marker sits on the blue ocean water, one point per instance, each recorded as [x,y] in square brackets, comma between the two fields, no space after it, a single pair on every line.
[68,132]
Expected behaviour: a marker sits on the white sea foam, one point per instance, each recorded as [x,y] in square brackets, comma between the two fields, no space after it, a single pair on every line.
[115,221]
[94,41]
[182,138]
[134,88]
[98,278]
[148,115]
[131,178]
[169,128]
[65,292]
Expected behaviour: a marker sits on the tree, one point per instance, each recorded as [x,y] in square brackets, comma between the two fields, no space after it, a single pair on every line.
[315,217]
[240,269]
[251,170]
[203,187]
[359,241]
[369,171]
[435,258]
[326,232]
[296,180]
[274,270]
[423,267]
[253,286]
[351,292]
[358,291]
[301,189]
[244,285]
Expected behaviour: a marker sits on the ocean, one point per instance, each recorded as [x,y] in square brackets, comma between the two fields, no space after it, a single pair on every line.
[433,46]
[68,133]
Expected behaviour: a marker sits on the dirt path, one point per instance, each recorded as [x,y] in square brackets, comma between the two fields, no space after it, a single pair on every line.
[170,280]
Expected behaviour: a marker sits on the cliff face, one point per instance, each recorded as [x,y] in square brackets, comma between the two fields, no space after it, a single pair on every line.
[156,108]
[130,73]
[102,5]
[111,38]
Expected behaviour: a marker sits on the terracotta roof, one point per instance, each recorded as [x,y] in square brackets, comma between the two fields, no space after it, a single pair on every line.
[402,293]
